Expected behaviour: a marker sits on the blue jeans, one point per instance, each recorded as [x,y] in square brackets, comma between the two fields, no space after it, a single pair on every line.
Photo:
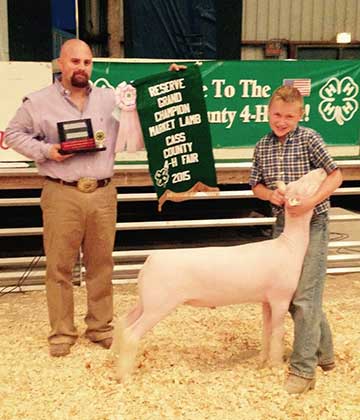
[313,343]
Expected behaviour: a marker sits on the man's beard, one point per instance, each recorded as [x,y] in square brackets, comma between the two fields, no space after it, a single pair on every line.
[79,82]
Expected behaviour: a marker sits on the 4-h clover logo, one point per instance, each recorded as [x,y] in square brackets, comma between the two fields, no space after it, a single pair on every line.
[162,176]
[102,83]
[339,100]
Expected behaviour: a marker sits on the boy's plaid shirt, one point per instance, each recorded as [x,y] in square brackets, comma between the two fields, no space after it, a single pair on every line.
[302,151]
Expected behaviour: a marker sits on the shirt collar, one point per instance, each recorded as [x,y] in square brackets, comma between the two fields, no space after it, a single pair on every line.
[290,136]
[67,92]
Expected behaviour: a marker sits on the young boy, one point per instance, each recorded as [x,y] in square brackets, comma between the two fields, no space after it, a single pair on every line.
[285,154]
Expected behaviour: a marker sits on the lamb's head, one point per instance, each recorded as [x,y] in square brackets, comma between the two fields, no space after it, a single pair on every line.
[304,187]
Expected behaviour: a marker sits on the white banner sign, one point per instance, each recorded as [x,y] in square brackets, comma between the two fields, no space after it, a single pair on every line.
[17,79]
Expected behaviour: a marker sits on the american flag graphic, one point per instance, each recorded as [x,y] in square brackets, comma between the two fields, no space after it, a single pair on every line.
[303,85]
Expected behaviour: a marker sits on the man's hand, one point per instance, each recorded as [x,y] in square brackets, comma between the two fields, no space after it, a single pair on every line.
[55,155]
[277,197]
[177,67]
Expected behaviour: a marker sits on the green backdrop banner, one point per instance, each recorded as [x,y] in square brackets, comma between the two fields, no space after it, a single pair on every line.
[237,94]
[176,132]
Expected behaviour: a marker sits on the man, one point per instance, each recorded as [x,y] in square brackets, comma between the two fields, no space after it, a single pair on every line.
[78,199]
[285,154]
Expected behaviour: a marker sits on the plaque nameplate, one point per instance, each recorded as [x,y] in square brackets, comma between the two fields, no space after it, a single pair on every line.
[77,136]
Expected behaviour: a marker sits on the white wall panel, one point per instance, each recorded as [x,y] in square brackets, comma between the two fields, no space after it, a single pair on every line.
[306,19]
[261,25]
[328,20]
[4,37]
[318,20]
[351,14]
[295,10]
[250,23]
[357,22]
[284,21]
[273,18]
[298,20]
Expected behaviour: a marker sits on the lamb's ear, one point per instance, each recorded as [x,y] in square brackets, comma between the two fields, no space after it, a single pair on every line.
[281,186]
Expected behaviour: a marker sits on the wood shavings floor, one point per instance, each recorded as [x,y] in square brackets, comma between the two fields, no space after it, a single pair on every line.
[196,364]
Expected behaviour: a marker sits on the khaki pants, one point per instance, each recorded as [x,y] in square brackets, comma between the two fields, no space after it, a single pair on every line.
[73,219]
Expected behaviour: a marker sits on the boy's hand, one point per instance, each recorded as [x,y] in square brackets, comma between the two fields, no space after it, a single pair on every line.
[177,67]
[277,197]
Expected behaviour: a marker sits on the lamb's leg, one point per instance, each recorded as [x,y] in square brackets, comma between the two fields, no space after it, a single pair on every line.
[129,337]
[278,313]
[133,315]
[120,325]
[264,354]
[127,349]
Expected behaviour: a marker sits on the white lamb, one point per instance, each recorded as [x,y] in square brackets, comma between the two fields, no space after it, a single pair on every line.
[266,272]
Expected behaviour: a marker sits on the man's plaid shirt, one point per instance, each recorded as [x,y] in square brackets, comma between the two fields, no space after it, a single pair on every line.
[302,151]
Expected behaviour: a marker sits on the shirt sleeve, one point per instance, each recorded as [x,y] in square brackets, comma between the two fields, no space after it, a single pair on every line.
[255,176]
[319,155]
[24,135]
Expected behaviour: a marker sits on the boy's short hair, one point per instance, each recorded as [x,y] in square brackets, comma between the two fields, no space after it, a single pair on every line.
[288,94]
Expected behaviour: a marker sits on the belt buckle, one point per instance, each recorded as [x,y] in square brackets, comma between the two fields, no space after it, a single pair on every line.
[87,185]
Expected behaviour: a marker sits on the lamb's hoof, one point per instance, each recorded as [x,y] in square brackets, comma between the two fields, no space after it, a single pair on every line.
[262,361]
[111,358]
[118,379]
[277,359]
[263,364]
[122,377]
[126,349]
[124,368]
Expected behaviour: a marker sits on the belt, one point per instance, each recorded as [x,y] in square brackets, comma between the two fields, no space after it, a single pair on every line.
[86,185]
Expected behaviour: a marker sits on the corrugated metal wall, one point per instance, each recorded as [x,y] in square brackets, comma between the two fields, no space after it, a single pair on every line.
[297,20]
[4,37]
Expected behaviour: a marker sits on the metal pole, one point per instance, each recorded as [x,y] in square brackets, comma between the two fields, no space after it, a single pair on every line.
[77,18]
